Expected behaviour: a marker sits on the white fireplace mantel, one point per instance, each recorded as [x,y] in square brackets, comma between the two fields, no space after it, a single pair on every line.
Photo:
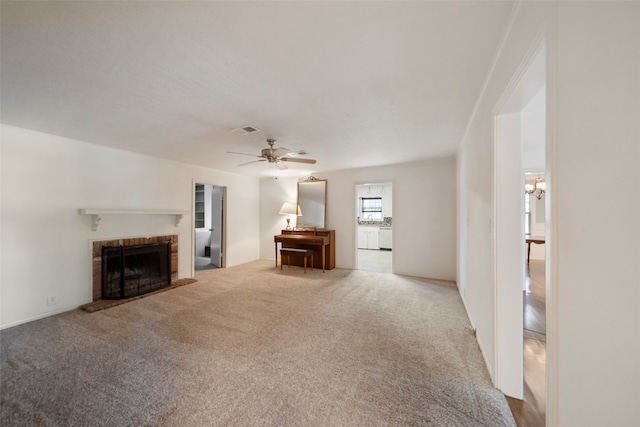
[97,213]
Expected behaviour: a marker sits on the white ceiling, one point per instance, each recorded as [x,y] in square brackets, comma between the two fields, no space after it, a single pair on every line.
[353,83]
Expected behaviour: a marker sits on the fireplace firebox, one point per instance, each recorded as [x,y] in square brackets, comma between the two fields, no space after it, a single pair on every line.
[128,271]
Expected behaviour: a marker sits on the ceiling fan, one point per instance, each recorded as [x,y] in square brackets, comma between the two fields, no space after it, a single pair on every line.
[276,155]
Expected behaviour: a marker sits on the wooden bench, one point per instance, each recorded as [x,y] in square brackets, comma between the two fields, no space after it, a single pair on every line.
[289,252]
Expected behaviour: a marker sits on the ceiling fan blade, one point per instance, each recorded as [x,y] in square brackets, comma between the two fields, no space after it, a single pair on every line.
[253,161]
[297,160]
[297,153]
[276,155]
[244,154]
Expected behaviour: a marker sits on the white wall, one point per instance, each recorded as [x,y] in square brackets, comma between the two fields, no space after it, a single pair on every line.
[595,227]
[476,176]
[593,274]
[203,238]
[45,242]
[509,252]
[273,193]
[533,125]
[424,207]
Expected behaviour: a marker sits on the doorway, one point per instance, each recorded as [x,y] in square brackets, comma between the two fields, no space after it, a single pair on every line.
[209,201]
[520,140]
[532,409]
[374,227]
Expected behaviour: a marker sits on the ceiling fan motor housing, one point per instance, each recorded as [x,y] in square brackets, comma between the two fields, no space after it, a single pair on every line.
[267,153]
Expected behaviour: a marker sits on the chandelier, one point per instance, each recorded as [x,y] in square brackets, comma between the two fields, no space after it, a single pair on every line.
[537,188]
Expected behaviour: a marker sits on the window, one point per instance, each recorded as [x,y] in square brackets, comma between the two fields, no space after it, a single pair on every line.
[371,209]
[527,214]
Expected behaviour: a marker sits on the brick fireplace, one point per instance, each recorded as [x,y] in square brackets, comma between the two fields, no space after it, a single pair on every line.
[136,241]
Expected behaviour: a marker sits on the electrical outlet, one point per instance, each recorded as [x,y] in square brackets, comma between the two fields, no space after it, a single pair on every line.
[52,299]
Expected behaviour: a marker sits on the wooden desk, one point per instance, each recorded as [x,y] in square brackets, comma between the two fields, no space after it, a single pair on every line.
[538,240]
[320,240]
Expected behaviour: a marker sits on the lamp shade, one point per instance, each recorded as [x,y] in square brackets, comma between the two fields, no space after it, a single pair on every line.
[289,208]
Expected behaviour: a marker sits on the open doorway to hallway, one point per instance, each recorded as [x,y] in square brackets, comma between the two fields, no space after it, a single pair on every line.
[374,225]
[531,410]
[208,226]
[519,236]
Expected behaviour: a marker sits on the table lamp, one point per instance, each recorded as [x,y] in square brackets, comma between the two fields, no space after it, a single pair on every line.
[289,209]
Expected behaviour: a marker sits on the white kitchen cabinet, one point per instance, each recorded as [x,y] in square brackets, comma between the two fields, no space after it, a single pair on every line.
[363,239]
[368,237]
[385,238]
[372,241]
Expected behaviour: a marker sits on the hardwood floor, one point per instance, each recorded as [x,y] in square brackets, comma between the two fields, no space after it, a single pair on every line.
[534,298]
[530,412]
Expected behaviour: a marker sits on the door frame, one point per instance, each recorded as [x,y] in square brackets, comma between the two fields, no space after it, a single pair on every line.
[544,41]
[355,218]
[223,237]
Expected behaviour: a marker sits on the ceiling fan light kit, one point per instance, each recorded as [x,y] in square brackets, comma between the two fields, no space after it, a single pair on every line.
[277,156]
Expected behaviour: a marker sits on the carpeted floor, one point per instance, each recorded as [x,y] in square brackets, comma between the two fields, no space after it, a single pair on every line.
[252,345]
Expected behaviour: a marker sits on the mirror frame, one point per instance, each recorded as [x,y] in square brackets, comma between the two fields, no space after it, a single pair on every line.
[312,180]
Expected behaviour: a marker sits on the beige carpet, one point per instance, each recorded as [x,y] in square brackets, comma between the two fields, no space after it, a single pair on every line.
[253,345]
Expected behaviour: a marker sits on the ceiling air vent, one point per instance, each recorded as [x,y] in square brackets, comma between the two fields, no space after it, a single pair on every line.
[245,130]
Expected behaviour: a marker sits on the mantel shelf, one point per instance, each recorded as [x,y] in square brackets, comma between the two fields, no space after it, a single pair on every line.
[96,214]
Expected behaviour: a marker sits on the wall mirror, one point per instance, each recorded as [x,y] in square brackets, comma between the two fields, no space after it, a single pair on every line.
[312,202]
